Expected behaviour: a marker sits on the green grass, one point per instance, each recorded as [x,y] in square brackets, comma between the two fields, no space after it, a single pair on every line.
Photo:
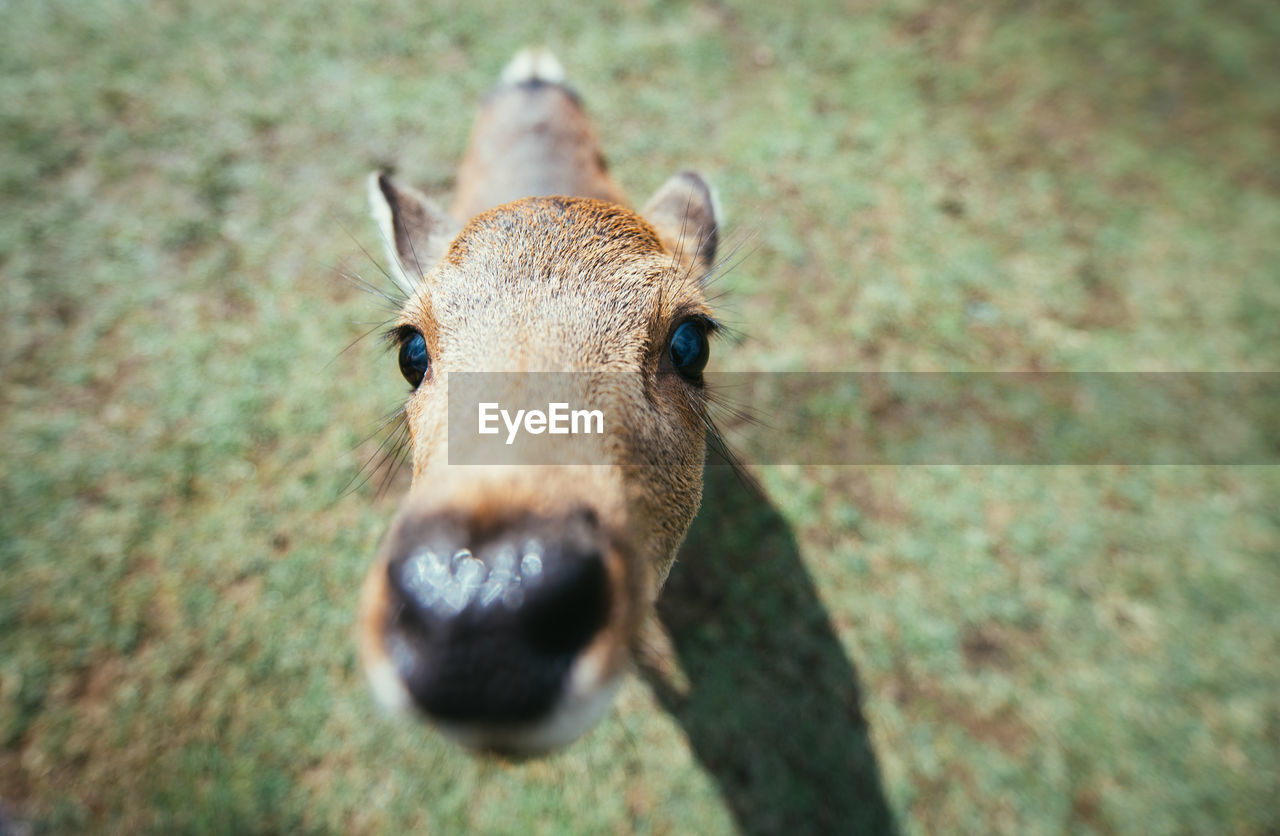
[964,186]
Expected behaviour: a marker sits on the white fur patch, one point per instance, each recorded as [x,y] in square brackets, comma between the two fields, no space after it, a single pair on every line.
[386,685]
[533,64]
[571,718]
[386,229]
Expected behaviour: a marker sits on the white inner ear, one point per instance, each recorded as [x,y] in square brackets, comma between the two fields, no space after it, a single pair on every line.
[381,212]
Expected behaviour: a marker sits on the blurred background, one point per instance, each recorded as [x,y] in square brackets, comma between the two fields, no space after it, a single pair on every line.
[920,186]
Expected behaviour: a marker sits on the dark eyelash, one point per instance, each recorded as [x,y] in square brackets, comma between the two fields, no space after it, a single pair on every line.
[397,334]
[711,325]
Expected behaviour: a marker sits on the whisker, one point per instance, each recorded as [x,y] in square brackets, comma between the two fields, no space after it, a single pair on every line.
[719,447]
[379,326]
[413,251]
[389,456]
[739,411]
[708,235]
[369,256]
[393,303]
[740,252]
[403,451]
[684,222]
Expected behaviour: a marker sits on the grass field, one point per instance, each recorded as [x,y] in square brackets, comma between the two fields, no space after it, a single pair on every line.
[963,185]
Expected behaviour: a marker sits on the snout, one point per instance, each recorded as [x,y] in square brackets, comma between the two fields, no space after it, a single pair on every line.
[486,632]
[504,633]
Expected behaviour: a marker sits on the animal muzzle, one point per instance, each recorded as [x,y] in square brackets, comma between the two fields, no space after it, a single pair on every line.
[506,633]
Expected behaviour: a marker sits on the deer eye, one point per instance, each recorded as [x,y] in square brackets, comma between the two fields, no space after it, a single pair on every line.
[689,349]
[414,360]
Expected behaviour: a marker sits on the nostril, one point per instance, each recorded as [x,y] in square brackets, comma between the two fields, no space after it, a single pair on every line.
[570,606]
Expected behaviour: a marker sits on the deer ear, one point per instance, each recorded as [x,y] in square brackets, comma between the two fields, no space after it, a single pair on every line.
[686,215]
[415,231]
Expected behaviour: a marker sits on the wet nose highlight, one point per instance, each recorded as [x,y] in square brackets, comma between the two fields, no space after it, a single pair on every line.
[445,581]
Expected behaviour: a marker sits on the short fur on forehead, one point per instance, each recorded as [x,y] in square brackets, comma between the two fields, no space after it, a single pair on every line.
[591,230]
[553,283]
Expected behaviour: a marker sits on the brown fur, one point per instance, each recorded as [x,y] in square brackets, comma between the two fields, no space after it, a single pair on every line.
[567,284]
[531,139]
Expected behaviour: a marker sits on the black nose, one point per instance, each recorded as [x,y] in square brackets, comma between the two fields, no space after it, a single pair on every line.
[486,624]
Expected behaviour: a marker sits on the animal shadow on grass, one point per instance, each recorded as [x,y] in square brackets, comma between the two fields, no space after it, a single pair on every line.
[773,706]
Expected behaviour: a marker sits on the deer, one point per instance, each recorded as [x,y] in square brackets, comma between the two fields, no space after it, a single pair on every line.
[538,266]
